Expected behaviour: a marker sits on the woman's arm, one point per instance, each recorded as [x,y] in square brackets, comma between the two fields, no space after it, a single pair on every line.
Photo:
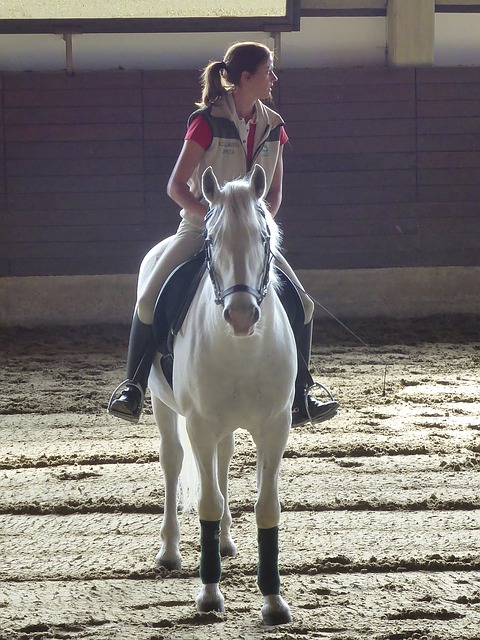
[177,187]
[274,196]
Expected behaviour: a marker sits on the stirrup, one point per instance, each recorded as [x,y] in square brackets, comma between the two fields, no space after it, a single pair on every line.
[329,414]
[118,414]
[322,386]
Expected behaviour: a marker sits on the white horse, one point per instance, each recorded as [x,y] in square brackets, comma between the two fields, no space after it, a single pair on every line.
[234,367]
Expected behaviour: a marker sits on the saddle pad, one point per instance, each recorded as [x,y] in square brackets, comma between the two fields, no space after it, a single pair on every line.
[174,300]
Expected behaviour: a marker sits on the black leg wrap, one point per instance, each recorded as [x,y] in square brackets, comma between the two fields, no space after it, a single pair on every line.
[210,561]
[268,577]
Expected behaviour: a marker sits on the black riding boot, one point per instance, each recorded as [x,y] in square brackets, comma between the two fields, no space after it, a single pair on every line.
[141,349]
[305,407]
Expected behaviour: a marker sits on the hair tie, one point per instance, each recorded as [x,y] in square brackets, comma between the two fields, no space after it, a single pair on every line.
[223,65]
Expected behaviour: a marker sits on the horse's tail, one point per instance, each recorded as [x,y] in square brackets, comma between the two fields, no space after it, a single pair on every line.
[189,478]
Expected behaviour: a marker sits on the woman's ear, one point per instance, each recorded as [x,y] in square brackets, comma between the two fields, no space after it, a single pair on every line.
[245,76]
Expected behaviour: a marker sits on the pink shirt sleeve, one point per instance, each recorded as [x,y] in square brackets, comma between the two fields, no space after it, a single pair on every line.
[200,131]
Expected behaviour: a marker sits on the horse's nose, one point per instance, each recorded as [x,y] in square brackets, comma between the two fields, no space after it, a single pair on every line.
[241,316]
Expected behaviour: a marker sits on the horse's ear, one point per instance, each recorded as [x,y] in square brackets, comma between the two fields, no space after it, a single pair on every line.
[258,181]
[210,187]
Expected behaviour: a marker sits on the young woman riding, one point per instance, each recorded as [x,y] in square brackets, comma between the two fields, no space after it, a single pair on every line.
[231,131]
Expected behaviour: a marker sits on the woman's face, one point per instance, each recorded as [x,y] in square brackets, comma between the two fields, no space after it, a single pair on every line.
[262,81]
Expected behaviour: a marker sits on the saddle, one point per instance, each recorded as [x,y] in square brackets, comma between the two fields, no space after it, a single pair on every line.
[176,296]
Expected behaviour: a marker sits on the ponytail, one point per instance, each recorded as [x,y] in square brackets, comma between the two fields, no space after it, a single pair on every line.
[213,85]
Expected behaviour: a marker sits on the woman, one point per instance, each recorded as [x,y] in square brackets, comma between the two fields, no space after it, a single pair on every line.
[231,131]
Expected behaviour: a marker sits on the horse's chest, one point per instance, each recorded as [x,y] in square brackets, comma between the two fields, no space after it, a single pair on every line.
[240,382]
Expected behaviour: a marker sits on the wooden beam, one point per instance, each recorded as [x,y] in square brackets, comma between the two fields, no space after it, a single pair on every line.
[277,48]
[344,5]
[343,8]
[461,6]
[68,53]
[411,32]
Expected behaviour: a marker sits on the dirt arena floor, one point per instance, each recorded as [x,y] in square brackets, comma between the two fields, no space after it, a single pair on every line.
[380,533]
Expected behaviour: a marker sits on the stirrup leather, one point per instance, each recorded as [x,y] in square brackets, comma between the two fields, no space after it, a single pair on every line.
[118,414]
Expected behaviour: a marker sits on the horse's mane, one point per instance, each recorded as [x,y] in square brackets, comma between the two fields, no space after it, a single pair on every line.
[239,209]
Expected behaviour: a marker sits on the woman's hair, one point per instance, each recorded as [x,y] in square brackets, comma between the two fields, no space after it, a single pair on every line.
[219,77]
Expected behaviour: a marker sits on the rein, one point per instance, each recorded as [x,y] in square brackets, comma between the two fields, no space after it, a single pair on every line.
[259,293]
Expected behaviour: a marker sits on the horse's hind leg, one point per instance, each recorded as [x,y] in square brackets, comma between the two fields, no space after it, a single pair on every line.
[171,458]
[225,452]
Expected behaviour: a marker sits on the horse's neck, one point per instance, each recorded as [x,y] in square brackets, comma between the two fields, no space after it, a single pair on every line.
[244,370]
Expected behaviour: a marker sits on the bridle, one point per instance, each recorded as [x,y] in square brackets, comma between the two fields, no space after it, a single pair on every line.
[260,293]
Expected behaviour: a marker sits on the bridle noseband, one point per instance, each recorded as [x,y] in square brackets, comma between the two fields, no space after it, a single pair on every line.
[260,293]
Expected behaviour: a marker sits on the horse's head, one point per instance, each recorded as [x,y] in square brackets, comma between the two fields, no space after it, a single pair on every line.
[239,231]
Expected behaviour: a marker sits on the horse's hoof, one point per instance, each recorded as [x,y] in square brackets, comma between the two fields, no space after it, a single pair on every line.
[210,598]
[275,611]
[173,563]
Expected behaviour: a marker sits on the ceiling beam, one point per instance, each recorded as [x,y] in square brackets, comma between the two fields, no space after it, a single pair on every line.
[345,8]
[461,6]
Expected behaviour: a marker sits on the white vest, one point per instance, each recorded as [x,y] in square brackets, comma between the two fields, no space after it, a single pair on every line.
[226,154]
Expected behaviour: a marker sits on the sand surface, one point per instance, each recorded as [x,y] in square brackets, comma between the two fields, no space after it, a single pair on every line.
[380,533]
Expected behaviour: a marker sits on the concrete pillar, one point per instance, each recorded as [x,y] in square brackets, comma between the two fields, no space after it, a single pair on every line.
[410,32]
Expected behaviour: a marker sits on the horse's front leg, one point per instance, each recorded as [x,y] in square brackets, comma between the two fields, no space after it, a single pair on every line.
[225,450]
[210,511]
[171,458]
[270,447]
